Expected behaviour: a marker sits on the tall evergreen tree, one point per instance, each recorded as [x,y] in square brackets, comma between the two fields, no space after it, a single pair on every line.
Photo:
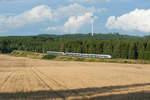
[140,50]
[132,51]
[124,49]
[117,50]
[147,51]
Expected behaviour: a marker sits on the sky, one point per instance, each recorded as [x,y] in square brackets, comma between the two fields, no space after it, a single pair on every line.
[33,17]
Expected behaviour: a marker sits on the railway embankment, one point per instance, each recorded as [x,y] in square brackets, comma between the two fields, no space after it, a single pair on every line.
[44,56]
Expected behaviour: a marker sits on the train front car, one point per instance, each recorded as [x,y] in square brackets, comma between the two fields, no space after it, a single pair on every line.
[104,56]
[109,56]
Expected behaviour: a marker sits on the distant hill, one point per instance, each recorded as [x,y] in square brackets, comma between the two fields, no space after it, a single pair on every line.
[110,36]
[98,36]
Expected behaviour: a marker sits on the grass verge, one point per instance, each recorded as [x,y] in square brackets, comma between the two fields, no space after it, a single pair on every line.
[49,57]
[19,53]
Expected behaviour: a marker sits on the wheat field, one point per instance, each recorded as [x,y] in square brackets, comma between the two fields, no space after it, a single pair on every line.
[35,79]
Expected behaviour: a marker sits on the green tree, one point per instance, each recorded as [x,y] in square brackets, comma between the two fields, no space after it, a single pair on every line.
[133,51]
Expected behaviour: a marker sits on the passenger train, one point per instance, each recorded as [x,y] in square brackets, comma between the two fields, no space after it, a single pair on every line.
[79,54]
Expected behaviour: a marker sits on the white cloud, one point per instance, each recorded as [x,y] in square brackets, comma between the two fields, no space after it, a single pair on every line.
[77,15]
[37,14]
[3,31]
[51,29]
[75,23]
[73,10]
[88,0]
[43,13]
[137,20]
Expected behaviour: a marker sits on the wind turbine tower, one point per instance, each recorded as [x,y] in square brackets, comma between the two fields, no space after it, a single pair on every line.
[92,22]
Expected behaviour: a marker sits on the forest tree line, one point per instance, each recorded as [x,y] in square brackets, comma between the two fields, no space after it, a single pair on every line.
[118,48]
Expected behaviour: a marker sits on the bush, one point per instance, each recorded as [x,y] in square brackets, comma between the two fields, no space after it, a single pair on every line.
[49,57]
[24,54]
[79,59]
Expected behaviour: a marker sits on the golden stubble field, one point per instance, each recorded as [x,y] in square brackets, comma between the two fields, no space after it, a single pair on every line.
[34,79]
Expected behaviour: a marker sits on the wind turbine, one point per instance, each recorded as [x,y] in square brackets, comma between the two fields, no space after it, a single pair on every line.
[92,22]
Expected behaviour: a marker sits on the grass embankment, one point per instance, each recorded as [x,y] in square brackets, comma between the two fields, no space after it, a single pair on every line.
[34,55]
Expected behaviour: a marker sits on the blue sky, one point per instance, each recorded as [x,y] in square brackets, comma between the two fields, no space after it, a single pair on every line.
[32,17]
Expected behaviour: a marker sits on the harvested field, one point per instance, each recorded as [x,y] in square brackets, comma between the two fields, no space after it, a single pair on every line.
[35,79]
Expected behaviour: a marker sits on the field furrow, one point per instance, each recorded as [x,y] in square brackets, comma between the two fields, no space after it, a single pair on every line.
[45,84]
[55,85]
[6,77]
